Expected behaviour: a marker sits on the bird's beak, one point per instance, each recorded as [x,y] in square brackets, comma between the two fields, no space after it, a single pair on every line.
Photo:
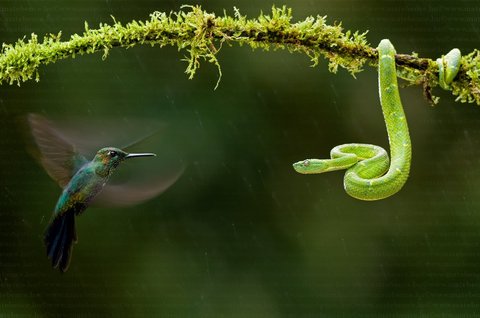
[147,154]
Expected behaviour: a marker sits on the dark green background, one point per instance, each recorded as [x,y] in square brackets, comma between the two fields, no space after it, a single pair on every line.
[241,234]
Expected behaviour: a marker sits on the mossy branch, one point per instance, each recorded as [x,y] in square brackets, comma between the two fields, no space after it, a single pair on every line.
[202,35]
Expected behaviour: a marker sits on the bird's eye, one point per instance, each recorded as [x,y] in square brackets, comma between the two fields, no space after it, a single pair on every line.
[112,153]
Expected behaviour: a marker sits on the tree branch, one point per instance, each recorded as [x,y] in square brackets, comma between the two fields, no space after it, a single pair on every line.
[202,35]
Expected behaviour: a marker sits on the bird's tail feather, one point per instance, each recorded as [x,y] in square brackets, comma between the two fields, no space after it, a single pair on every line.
[59,238]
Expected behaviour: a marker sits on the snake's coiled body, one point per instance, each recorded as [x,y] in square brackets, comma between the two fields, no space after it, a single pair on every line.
[370,175]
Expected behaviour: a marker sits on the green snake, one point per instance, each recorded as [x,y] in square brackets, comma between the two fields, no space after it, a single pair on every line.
[448,66]
[370,174]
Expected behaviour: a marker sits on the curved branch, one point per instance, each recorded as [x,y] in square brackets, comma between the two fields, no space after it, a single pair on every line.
[202,34]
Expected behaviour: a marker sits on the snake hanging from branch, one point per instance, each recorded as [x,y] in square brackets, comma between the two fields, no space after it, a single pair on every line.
[370,174]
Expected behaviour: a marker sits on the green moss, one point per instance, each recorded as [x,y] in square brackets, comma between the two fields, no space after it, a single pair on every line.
[467,84]
[201,35]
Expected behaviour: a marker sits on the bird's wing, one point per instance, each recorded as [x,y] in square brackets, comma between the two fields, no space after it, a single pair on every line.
[56,154]
[132,193]
[140,140]
[91,134]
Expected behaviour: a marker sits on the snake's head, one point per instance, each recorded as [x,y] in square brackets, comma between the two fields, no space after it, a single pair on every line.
[308,166]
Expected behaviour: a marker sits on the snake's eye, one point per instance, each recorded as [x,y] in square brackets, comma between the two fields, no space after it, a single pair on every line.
[306,163]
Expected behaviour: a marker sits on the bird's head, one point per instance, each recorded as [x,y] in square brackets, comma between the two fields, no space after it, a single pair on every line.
[109,158]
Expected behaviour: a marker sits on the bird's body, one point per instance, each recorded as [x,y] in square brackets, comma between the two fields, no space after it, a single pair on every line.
[81,189]
[87,182]
[83,181]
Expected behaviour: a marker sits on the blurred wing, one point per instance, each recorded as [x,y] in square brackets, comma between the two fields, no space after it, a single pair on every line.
[57,155]
[137,142]
[132,193]
[90,135]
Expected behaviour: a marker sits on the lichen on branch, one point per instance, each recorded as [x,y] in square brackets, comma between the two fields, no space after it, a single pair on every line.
[202,35]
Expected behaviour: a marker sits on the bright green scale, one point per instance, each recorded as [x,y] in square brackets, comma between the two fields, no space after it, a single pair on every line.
[370,174]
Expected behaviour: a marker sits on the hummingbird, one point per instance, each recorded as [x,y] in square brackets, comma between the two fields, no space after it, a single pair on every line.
[83,181]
